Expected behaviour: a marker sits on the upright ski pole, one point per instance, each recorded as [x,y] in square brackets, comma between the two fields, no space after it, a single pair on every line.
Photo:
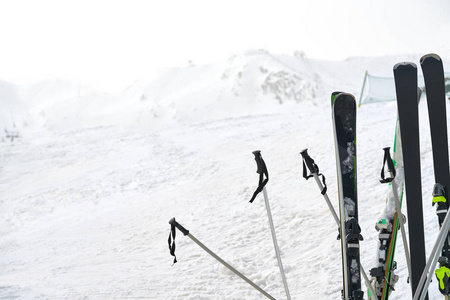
[174,224]
[432,260]
[399,216]
[262,171]
[308,163]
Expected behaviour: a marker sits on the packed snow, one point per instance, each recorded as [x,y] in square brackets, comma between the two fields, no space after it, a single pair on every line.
[88,187]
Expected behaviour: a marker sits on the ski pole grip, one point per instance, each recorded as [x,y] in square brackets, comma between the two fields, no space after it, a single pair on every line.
[387,154]
[173,222]
[388,159]
[309,161]
[259,162]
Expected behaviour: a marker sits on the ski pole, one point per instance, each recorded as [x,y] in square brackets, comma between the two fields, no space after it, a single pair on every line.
[262,171]
[309,163]
[391,169]
[174,224]
[425,279]
[402,226]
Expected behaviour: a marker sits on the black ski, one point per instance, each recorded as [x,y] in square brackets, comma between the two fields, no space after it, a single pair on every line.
[344,122]
[433,72]
[405,75]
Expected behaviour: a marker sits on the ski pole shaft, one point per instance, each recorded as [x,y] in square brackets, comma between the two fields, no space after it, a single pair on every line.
[402,225]
[366,279]
[231,268]
[275,243]
[425,279]
[262,171]
[327,200]
[398,213]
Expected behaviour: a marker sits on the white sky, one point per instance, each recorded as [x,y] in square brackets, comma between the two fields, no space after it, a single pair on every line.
[119,41]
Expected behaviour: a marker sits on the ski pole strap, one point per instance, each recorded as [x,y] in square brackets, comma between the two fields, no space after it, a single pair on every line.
[308,163]
[174,224]
[172,235]
[387,161]
[262,171]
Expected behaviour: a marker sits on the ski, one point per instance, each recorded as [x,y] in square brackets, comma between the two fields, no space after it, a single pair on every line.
[433,73]
[344,127]
[405,76]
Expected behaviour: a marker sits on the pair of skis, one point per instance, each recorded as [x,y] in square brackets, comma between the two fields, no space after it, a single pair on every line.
[405,75]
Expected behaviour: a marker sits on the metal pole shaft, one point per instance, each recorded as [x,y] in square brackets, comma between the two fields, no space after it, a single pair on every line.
[432,259]
[333,212]
[402,225]
[230,267]
[275,243]
[366,279]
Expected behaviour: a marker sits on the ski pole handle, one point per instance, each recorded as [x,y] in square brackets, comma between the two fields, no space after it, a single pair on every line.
[309,161]
[387,160]
[177,225]
[259,162]
[262,171]
[390,162]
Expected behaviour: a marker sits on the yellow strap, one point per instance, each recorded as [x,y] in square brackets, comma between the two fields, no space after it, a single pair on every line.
[439,199]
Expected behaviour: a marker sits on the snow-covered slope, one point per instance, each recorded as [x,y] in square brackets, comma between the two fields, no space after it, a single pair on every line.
[86,193]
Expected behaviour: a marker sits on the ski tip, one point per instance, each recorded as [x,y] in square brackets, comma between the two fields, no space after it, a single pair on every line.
[345,96]
[430,56]
[341,95]
[344,100]
[405,65]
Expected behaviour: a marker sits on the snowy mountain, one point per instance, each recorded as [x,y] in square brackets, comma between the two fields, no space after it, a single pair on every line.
[87,190]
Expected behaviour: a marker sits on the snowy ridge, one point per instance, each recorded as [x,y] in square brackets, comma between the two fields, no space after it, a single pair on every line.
[86,193]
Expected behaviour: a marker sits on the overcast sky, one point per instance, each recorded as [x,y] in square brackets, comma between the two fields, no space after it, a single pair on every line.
[118,41]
